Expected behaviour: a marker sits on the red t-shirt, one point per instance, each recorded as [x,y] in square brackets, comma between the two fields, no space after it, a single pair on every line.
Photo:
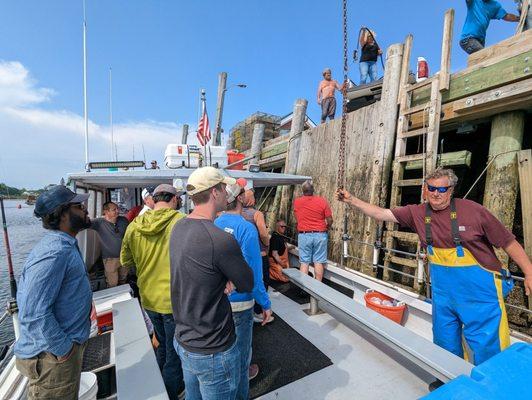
[479,230]
[133,213]
[311,212]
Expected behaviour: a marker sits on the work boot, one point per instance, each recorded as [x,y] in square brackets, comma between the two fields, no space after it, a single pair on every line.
[253,371]
[435,385]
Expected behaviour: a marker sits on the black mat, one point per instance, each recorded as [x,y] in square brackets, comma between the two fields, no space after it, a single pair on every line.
[97,354]
[283,356]
[291,291]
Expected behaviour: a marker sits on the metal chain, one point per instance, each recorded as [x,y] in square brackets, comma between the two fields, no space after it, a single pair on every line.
[341,159]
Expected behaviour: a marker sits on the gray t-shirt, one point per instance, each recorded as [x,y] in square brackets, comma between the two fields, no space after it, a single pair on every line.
[202,259]
[111,235]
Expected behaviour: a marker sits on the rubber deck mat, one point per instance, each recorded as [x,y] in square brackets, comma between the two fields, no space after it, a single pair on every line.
[283,356]
[97,353]
[291,291]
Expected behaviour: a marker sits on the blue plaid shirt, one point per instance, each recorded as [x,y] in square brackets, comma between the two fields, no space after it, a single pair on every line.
[54,298]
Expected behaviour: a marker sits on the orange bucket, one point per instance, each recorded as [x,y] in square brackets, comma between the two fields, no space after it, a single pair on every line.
[395,313]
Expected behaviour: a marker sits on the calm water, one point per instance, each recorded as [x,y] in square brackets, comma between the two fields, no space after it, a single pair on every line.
[24,232]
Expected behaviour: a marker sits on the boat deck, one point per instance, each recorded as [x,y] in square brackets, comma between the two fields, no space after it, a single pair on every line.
[360,369]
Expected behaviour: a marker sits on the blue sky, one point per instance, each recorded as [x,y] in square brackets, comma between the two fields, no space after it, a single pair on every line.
[163,52]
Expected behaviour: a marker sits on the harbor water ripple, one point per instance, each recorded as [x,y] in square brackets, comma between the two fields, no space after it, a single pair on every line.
[25,230]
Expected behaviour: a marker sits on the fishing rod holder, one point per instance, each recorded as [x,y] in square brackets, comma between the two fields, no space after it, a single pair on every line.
[12,307]
[346,237]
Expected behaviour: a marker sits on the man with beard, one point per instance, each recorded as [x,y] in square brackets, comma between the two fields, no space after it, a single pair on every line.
[146,246]
[204,260]
[54,300]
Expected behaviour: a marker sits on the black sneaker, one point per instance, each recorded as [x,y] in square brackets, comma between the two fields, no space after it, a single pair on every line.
[435,385]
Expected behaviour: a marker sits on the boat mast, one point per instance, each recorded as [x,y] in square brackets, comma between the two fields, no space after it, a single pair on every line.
[85,108]
[113,146]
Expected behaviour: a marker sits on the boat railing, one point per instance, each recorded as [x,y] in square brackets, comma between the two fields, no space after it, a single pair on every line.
[420,351]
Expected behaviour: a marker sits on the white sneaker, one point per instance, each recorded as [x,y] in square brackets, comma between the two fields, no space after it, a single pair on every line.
[257,318]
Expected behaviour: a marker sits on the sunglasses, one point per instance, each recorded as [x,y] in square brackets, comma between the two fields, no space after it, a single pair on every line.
[440,189]
[81,206]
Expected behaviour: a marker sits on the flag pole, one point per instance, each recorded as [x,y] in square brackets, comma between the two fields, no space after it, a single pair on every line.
[203,107]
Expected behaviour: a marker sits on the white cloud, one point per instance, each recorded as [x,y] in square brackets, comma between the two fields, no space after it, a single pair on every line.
[39,146]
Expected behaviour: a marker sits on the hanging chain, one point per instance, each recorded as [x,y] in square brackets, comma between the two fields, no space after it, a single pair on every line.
[340,182]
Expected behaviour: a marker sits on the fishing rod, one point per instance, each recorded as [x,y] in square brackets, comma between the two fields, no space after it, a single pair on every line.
[12,306]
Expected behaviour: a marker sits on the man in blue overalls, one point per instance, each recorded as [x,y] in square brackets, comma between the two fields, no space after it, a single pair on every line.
[468,281]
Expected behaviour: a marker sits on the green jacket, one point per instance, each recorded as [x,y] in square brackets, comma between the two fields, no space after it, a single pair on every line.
[146,245]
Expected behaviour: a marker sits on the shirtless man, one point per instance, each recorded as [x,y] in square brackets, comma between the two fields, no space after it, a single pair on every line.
[326,95]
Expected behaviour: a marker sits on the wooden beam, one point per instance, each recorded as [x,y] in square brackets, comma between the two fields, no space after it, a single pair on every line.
[510,97]
[524,164]
[525,5]
[510,47]
[405,67]
[274,150]
[453,159]
[475,80]
[445,65]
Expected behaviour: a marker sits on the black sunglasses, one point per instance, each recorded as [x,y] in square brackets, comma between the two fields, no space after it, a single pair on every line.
[440,189]
[81,206]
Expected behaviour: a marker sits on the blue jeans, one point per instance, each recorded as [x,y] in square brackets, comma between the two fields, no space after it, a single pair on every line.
[312,247]
[257,309]
[244,333]
[210,376]
[368,71]
[167,358]
[471,45]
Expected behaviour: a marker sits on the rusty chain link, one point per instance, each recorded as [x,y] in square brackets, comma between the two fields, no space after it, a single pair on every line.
[340,180]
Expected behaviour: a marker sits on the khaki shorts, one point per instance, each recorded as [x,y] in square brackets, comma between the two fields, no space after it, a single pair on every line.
[114,273]
[52,379]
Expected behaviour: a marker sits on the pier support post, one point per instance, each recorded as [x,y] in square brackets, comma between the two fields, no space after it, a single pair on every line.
[256,142]
[292,155]
[502,178]
[383,151]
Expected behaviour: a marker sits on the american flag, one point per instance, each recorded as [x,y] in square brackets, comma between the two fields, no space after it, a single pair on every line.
[204,130]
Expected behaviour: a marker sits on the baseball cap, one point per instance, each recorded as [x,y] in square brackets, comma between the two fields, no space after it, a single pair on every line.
[146,192]
[54,197]
[233,191]
[205,178]
[165,188]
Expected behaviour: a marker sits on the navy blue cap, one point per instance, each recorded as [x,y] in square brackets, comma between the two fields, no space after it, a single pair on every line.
[54,197]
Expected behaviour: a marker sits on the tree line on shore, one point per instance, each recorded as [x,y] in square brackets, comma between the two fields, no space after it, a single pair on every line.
[10,192]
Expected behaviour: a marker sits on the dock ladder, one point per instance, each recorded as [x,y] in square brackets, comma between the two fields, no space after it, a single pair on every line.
[429,134]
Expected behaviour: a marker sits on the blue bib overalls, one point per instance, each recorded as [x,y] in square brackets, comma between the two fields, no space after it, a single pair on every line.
[468,313]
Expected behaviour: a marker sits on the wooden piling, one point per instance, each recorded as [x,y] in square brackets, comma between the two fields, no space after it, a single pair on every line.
[502,178]
[256,142]
[384,144]
[292,155]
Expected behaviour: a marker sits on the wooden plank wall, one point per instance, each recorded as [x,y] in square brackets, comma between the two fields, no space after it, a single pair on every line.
[318,158]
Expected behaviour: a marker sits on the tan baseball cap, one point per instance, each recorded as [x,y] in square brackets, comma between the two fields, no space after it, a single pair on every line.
[205,178]
[233,191]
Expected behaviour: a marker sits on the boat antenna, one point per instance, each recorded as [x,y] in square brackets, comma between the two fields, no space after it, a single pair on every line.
[113,146]
[12,307]
[85,108]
